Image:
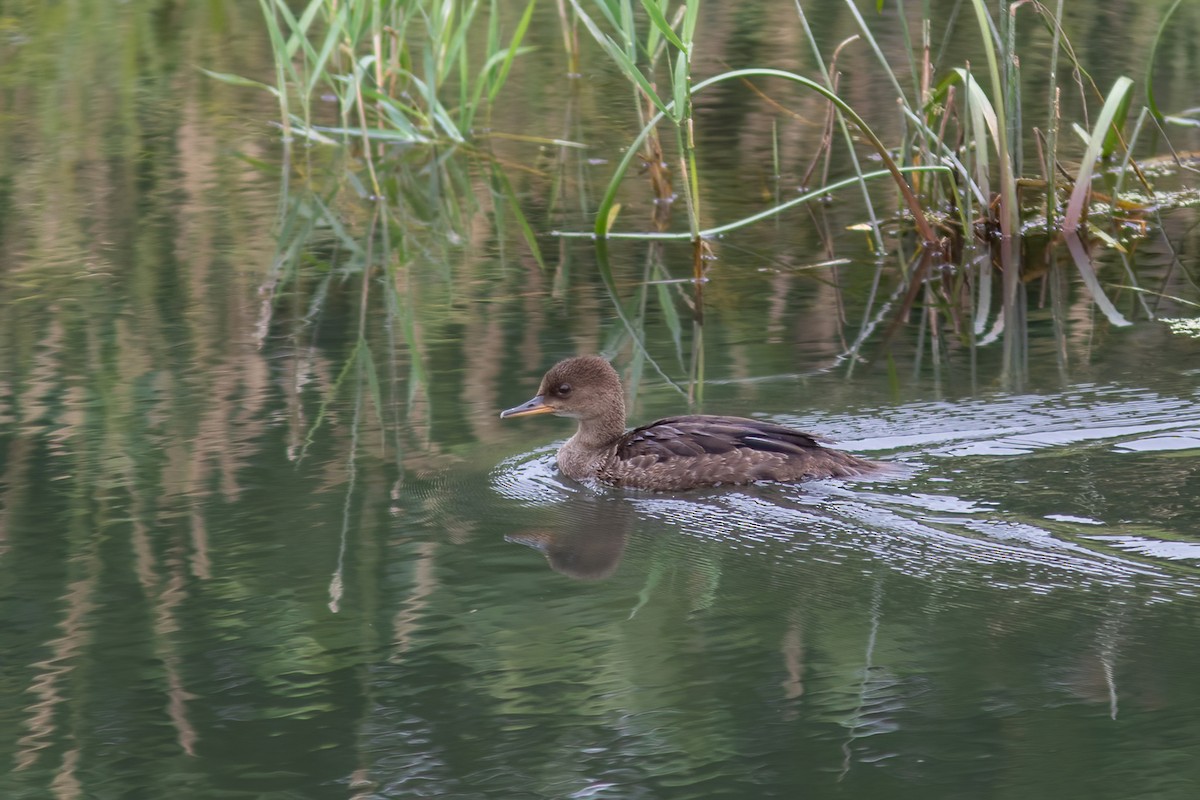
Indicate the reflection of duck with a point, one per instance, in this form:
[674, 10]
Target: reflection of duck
[676, 452]
[588, 554]
[589, 538]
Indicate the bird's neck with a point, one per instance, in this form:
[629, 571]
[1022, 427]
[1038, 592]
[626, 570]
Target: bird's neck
[601, 431]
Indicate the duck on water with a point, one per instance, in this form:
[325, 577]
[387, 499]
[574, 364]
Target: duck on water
[675, 453]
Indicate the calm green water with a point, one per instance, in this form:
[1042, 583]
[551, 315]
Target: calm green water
[228, 570]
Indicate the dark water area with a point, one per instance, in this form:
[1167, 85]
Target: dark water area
[241, 559]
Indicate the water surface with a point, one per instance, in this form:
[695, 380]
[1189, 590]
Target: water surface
[232, 566]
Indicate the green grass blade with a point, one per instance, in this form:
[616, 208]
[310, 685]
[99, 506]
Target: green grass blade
[980, 102]
[679, 83]
[375, 134]
[238, 80]
[1112, 138]
[910, 198]
[982, 124]
[1116, 100]
[399, 115]
[660, 22]
[297, 32]
[321, 57]
[275, 35]
[513, 46]
[621, 58]
[1009, 211]
[691, 13]
[655, 41]
[628, 28]
[436, 111]
[807, 197]
[608, 14]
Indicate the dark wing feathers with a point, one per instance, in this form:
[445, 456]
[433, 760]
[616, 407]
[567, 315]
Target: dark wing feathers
[693, 436]
[771, 445]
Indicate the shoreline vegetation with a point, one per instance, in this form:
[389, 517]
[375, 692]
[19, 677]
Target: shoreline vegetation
[396, 140]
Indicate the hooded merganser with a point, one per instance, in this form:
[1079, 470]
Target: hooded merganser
[677, 452]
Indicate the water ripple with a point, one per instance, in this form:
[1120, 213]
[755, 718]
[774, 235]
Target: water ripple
[931, 516]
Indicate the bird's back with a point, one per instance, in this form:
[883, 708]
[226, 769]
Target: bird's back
[701, 450]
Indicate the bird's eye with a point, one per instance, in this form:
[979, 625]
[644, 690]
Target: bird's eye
[563, 389]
